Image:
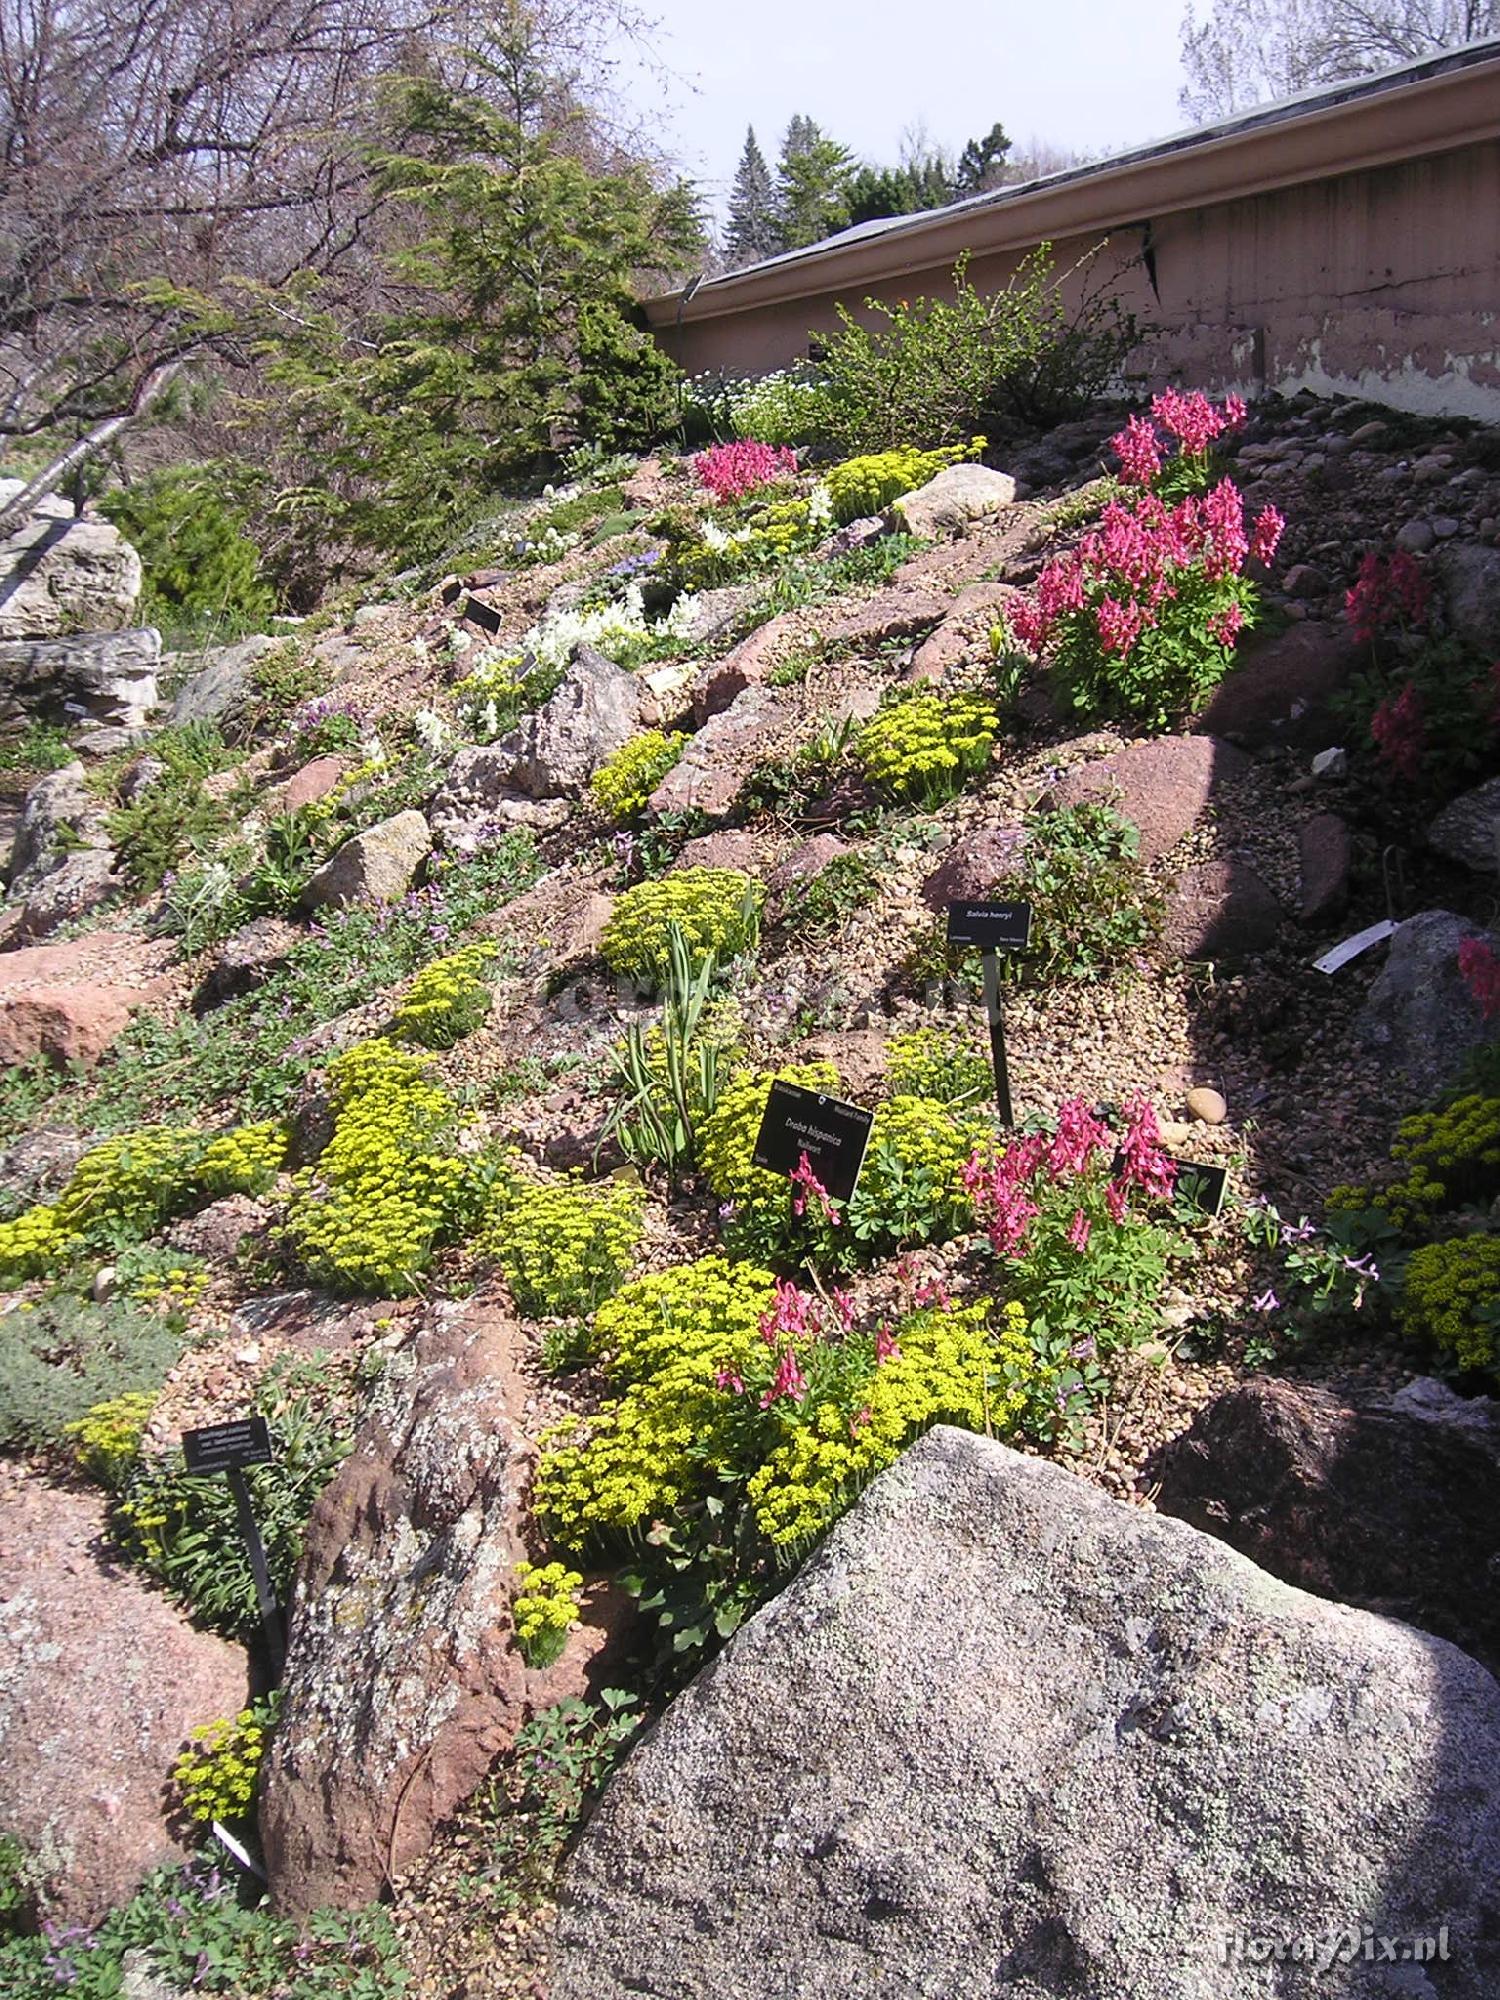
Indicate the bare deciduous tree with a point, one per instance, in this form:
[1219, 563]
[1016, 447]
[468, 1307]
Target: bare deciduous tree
[1246, 52]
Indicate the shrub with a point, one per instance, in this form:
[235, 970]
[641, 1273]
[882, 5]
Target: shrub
[545, 1610]
[730, 471]
[785, 408]
[198, 562]
[1452, 1298]
[447, 1000]
[173, 815]
[622, 786]
[565, 1246]
[716, 910]
[185, 1530]
[217, 1777]
[1142, 618]
[1093, 905]
[704, 555]
[39, 746]
[65, 1356]
[925, 747]
[936, 1064]
[867, 485]
[388, 1187]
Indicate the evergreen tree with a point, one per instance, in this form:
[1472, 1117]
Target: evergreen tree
[981, 164]
[812, 184]
[754, 216]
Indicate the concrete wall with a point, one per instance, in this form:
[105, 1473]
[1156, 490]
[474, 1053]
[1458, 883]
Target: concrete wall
[1350, 246]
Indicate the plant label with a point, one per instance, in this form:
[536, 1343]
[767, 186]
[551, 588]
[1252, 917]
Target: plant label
[227, 1447]
[831, 1133]
[990, 926]
[1202, 1187]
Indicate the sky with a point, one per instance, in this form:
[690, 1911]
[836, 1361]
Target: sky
[1090, 75]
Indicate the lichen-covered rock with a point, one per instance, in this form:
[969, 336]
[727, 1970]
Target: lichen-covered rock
[403, 1683]
[1467, 830]
[947, 504]
[221, 681]
[59, 575]
[1005, 1736]
[376, 866]
[102, 684]
[60, 815]
[596, 710]
[101, 1682]
[1419, 1014]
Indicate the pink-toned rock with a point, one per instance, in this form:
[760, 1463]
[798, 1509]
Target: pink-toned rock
[1324, 855]
[898, 612]
[729, 847]
[804, 864]
[708, 775]
[1221, 909]
[963, 633]
[314, 781]
[1162, 787]
[403, 1679]
[746, 666]
[1281, 686]
[858, 1054]
[69, 1002]
[103, 1680]
[974, 867]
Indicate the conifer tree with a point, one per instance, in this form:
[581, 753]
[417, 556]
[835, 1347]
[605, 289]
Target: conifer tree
[812, 183]
[754, 219]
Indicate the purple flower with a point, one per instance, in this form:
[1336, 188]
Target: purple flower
[1266, 1303]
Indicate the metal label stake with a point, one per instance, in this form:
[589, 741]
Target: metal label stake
[229, 1448]
[993, 927]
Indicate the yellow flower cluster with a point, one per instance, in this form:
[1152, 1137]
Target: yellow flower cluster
[622, 786]
[368, 1215]
[933, 1062]
[216, 1779]
[867, 485]
[946, 1372]
[564, 1246]
[130, 1185]
[545, 1610]
[107, 1438]
[926, 747]
[717, 911]
[666, 1337]
[447, 1000]
[1452, 1297]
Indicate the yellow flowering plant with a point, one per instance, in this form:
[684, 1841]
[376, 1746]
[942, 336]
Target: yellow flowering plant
[216, 1778]
[545, 1610]
[622, 786]
[716, 911]
[447, 1000]
[925, 747]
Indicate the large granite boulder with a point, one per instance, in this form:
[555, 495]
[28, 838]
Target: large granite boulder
[1419, 1014]
[403, 1683]
[106, 680]
[1163, 786]
[1391, 1505]
[376, 866]
[596, 710]
[102, 1681]
[1282, 687]
[60, 575]
[1005, 1736]
[948, 503]
[70, 1002]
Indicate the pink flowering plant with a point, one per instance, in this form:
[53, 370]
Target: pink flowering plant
[1141, 619]
[1170, 453]
[730, 471]
[1074, 1217]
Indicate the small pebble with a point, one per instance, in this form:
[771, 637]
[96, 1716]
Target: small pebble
[106, 1284]
[1445, 528]
[1416, 537]
[1331, 764]
[1206, 1105]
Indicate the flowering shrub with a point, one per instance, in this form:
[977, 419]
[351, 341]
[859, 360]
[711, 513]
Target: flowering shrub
[716, 910]
[730, 471]
[705, 555]
[129, 1186]
[619, 629]
[447, 1000]
[1142, 618]
[545, 1609]
[217, 1778]
[388, 1187]
[622, 786]
[1452, 1298]
[867, 485]
[107, 1438]
[1389, 592]
[1194, 422]
[564, 1246]
[926, 747]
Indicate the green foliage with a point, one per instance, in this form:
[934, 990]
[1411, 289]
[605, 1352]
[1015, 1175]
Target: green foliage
[812, 184]
[197, 1937]
[173, 815]
[668, 1075]
[62, 1357]
[39, 747]
[940, 369]
[107, 1438]
[499, 689]
[217, 1777]
[937, 1064]
[622, 786]
[16, 1891]
[925, 747]
[704, 554]
[545, 1610]
[823, 904]
[1452, 1298]
[716, 910]
[447, 1000]
[1451, 1157]
[867, 485]
[198, 562]
[564, 1246]
[780, 409]
[562, 1757]
[184, 1530]
[1093, 907]
[389, 1186]
[281, 679]
[1450, 690]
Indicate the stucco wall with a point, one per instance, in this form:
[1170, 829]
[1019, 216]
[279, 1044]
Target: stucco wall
[1382, 282]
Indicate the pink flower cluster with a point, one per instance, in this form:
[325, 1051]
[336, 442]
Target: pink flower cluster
[1192, 419]
[1388, 590]
[1480, 968]
[1400, 732]
[1005, 1191]
[1132, 565]
[730, 471]
[806, 1188]
[794, 1320]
